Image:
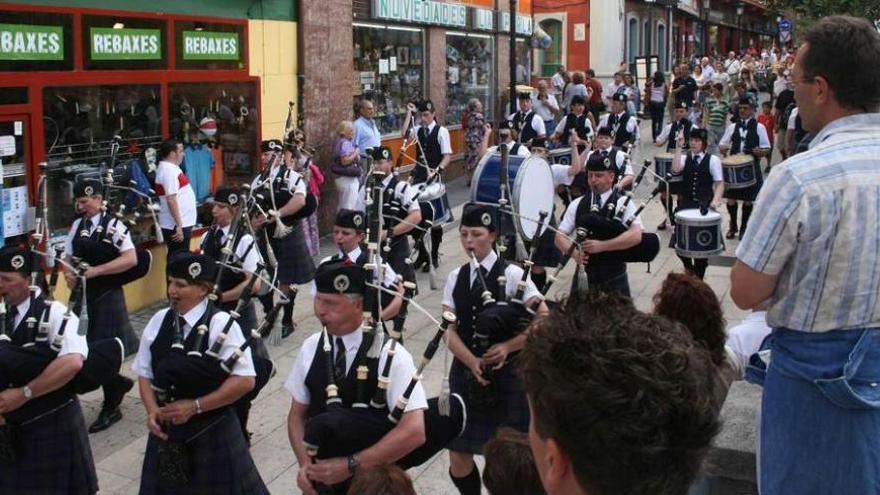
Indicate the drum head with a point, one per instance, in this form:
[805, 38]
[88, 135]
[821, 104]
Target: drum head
[533, 192]
[740, 159]
[663, 156]
[433, 191]
[693, 216]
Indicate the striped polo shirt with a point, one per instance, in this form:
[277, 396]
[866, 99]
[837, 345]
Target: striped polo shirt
[816, 225]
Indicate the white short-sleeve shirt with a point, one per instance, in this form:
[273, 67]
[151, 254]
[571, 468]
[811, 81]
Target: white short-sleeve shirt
[73, 342]
[567, 225]
[715, 169]
[246, 251]
[121, 236]
[402, 370]
[763, 140]
[442, 137]
[512, 273]
[171, 181]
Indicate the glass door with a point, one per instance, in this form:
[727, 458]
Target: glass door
[14, 155]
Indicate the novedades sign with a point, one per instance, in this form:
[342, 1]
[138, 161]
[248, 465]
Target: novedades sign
[210, 45]
[421, 12]
[31, 42]
[125, 44]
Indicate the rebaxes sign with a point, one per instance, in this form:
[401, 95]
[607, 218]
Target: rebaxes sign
[31, 42]
[210, 45]
[125, 44]
[421, 12]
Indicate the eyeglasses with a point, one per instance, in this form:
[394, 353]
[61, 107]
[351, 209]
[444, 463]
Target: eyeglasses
[803, 81]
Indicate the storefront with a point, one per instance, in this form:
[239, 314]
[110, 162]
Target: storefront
[82, 87]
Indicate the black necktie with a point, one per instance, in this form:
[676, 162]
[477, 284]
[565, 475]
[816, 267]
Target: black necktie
[11, 313]
[339, 362]
[476, 281]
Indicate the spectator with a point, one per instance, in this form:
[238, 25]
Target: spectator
[366, 132]
[510, 466]
[558, 81]
[732, 67]
[812, 253]
[684, 86]
[767, 118]
[576, 88]
[346, 166]
[721, 77]
[695, 115]
[747, 338]
[544, 104]
[612, 87]
[384, 479]
[717, 110]
[474, 131]
[634, 102]
[594, 95]
[611, 413]
[655, 89]
[782, 107]
[177, 200]
[708, 70]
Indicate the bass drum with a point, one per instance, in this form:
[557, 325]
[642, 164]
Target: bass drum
[531, 190]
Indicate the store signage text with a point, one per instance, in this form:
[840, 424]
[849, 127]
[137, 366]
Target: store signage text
[523, 23]
[125, 44]
[210, 45]
[484, 19]
[421, 12]
[31, 42]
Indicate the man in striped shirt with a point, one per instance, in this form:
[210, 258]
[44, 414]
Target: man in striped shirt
[715, 115]
[813, 250]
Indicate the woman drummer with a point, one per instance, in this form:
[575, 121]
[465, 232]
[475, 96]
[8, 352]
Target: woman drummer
[216, 457]
[462, 295]
[702, 184]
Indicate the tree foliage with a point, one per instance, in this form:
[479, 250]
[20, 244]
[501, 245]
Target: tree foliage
[810, 11]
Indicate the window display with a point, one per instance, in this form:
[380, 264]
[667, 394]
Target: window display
[469, 74]
[81, 128]
[523, 62]
[388, 70]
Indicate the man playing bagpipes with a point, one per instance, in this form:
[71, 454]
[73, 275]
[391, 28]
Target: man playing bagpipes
[102, 241]
[349, 232]
[44, 447]
[193, 365]
[489, 298]
[611, 224]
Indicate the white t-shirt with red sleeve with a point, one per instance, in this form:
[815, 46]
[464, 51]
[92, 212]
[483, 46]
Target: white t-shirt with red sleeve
[171, 181]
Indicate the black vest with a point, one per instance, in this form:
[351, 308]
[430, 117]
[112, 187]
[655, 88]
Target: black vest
[468, 303]
[430, 153]
[317, 379]
[212, 247]
[618, 126]
[161, 347]
[523, 125]
[578, 123]
[95, 248]
[600, 225]
[612, 155]
[21, 335]
[698, 185]
[751, 141]
[673, 132]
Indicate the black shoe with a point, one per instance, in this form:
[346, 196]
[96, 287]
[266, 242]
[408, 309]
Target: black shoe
[662, 226]
[286, 331]
[123, 385]
[436, 261]
[426, 267]
[767, 169]
[731, 234]
[106, 419]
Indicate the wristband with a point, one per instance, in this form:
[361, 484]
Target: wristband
[198, 407]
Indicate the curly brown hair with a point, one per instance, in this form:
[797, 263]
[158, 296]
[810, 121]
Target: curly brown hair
[510, 465]
[387, 479]
[690, 301]
[628, 396]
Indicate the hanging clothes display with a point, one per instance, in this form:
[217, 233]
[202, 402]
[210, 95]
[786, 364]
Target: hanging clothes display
[198, 162]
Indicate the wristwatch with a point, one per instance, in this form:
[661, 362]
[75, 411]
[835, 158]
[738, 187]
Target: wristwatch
[352, 464]
[28, 393]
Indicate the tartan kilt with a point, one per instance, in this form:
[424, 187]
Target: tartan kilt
[511, 410]
[295, 265]
[54, 456]
[220, 463]
[108, 318]
[749, 194]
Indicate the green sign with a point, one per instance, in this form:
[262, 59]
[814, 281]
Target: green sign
[31, 42]
[125, 44]
[210, 45]
[421, 12]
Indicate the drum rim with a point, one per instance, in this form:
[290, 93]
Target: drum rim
[726, 163]
[701, 220]
[426, 197]
[699, 254]
[664, 156]
[517, 186]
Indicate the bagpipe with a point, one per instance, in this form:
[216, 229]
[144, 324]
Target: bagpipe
[339, 430]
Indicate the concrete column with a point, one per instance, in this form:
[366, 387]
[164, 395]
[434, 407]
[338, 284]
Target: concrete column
[435, 69]
[327, 64]
[607, 43]
[502, 72]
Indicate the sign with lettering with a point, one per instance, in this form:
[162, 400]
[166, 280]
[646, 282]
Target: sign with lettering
[31, 42]
[421, 12]
[210, 45]
[484, 19]
[523, 24]
[125, 44]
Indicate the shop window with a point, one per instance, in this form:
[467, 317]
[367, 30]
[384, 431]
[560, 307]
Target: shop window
[551, 58]
[633, 43]
[523, 62]
[209, 46]
[217, 122]
[80, 123]
[124, 43]
[13, 96]
[35, 41]
[389, 70]
[469, 74]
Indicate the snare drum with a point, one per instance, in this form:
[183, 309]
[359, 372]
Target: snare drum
[531, 189]
[698, 235]
[739, 171]
[435, 204]
[560, 156]
[663, 167]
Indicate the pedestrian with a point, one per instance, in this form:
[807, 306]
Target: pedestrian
[655, 89]
[684, 86]
[594, 95]
[510, 465]
[546, 107]
[634, 105]
[716, 115]
[346, 166]
[612, 87]
[366, 132]
[732, 67]
[782, 107]
[474, 131]
[708, 69]
[576, 88]
[812, 253]
[558, 81]
[769, 121]
[177, 200]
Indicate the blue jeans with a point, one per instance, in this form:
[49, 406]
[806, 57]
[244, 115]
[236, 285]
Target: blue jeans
[820, 424]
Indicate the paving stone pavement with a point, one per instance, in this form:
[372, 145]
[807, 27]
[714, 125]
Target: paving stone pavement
[119, 451]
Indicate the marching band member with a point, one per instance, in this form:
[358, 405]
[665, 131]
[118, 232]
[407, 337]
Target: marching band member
[288, 189]
[339, 306]
[624, 126]
[349, 233]
[506, 135]
[470, 373]
[703, 184]
[215, 458]
[434, 154]
[667, 136]
[611, 223]
[94, 237]
[605, 146]
[526, 122]
[748, 136]
[44, 447]
[578, 121]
